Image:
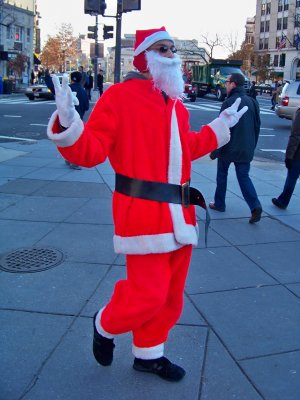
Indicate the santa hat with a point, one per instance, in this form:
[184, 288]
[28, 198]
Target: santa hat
[143, 40]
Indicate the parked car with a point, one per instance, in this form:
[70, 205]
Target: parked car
[289, 100]
[264, 88]
[40, 91]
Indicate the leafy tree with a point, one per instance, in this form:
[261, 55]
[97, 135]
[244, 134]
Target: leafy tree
[246, 54]
[18, 64]
[59, 48]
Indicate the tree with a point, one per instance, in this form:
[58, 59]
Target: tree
[246, 54]
[211, 43]
[59, 48]
[17, 65]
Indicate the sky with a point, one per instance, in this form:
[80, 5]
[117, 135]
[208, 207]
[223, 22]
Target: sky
[183, 19]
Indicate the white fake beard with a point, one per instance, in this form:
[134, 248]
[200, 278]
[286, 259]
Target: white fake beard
[166, 73]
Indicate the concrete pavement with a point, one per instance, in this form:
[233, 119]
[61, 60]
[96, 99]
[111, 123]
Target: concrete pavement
[238, 337]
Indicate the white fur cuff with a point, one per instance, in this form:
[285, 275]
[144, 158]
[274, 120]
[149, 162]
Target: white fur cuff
[69, 136]
[221, 131]
[148, 353]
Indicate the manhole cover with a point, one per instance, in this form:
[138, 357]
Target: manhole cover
[30, 259]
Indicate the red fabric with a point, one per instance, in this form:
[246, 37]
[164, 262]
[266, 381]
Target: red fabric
[131, 125]
[150, 300]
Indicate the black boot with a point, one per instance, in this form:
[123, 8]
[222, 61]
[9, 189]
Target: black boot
[103, 348]
[161, 367]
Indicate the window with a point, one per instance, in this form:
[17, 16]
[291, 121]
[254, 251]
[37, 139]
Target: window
[282, 60]
[261, 44]
[286, 5]
[284, 22]
[262, 26]
[28, 35]
[263, 9]
[18, 33]
[297, 20]
[267, 26]
[279, 24]
[268, 9]
[280, 5]
[266, 43]
[275, 61]
[297, 3]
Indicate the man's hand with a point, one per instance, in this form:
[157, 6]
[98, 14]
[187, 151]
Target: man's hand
[230, 116]
[65, 100]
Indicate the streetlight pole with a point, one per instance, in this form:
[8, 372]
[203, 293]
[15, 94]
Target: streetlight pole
[118, 42]
[96, 55]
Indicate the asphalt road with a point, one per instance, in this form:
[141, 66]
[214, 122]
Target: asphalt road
[27, 120]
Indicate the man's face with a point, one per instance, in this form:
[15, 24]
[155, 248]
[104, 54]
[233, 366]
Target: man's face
[229, 85]
[165, 48]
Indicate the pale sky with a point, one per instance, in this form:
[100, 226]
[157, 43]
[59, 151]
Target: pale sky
[224, 17]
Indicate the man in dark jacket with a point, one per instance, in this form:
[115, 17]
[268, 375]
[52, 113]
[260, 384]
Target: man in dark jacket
[292, 162]
[239, 150]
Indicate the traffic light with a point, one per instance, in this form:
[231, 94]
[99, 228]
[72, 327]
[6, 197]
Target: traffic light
[106, 32]
[94, 7]
[94, 30]
[131, 5]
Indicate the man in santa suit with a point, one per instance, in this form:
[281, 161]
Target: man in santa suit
[142, 126]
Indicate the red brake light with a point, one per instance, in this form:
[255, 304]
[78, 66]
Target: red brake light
[285, 101]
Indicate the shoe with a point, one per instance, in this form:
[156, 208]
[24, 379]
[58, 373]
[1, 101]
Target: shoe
[74, 166]
[161, 367]
[67, 162]
[103, 348]
[214, 207]
[278, 204]
[256, 215]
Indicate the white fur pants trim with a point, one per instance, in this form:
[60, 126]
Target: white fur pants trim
[99, 328]
[148, 353]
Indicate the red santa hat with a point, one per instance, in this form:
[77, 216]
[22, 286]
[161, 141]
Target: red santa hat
[143, 40]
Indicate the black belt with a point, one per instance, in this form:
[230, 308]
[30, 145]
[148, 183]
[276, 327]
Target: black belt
[163, 192]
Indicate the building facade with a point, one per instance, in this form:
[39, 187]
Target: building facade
[18, 39]
[277, 38]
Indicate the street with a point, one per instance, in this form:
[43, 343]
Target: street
[27, 120]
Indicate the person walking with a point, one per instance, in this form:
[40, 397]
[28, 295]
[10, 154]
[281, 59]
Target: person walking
[252, 90]
[292, 163]
[153, 204]
[100, 80]
[239, 150]
[89, 84]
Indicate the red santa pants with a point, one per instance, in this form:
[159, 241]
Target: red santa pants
[149, 301]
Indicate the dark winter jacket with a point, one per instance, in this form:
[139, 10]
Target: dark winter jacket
[82, 97]
[293, 147]
[244, 135]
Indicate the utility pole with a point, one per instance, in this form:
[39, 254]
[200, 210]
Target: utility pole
[96, 55]
[118, 42]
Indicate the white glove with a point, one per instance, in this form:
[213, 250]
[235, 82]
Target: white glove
[230, 116]
[65, 100]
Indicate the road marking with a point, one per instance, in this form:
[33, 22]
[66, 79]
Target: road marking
[39, 124]
[276, 150]
[267, 135]
[267, 129]
[16, 138]
[12, 116]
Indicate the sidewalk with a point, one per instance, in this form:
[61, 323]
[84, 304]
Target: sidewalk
[238, 337]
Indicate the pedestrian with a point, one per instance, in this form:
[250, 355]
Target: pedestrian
[84, 76]
[100, 79]
[252, 90]
[275, 95]
[239, 150]
[142, 126]
[292, 162]
[89, 84]
[83, 103]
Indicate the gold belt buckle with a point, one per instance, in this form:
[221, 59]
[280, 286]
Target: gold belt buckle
[185, 194]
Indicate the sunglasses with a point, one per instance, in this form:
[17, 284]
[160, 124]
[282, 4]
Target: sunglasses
[165, 49]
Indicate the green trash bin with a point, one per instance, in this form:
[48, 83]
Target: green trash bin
[7, 86]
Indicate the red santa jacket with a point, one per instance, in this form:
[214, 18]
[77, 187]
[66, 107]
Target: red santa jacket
[147, 138]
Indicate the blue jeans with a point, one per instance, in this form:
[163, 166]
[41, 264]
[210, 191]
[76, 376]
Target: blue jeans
[246, 185]
[290, 183]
